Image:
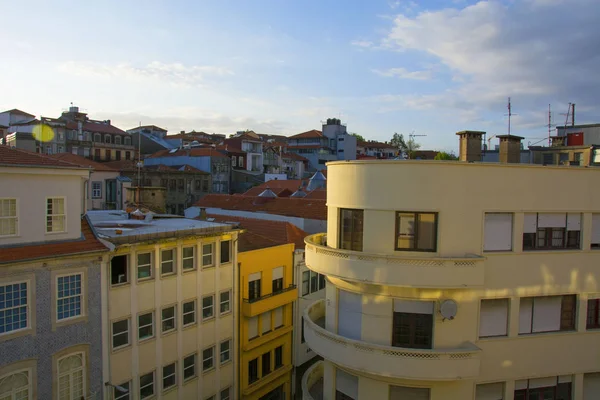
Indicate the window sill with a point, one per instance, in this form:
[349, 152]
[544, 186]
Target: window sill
[207, 266]
[225, 313]
[190, 325]
[69, 321]
[168, 275]
[169, 389]
[225, 264]
[119, 285]
[225, 362]
[208, 371]
[121, 348]
[146, 340]
[145, 280]
[534, 334]
[489, 338]
[186, 270]
[168, 333]
[56, 233]
[15, 334]
[561, 250]
[190, 379]
[206, 320]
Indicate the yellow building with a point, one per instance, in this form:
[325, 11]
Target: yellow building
[267, 295]
[168, 307]
[459, 281]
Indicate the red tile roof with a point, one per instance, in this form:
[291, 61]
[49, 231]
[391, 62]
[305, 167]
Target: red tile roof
[101, 127]
[262, 233]
[194, 152]
[122, 165]
[19, 157]
[308, 134]
[86, 244]
[306, 146]
[294, 156]
[424, 154]
[375, 145]
[83, 162]
[280, 192]
[287, 206]
[319, 194]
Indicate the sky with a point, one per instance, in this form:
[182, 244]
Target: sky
[428, 67]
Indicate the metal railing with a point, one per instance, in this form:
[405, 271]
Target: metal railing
[266, 296]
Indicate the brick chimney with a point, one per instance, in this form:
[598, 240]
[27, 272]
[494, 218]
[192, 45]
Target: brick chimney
[510, 148]
[470, 145]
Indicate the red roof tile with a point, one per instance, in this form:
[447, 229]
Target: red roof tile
[195, 152]
[308, 134]
[375, 145]
[86, 244]
[280, 192]
[319, 194]
[101, 127]
[83, 162]
[262, 233]
[293, 156]
[287, 206]
[122, 165]
[19, 157]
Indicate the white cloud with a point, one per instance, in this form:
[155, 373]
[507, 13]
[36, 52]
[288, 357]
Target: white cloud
[362, 43]
[173, 73]
[404, 74]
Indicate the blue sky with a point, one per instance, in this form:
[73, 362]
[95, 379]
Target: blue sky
[432, 67]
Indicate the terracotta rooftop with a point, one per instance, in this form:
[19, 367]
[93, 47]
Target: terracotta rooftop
[375, 145]
[96, 126]
[291, 207]
[194, 152]
[86, 244]
[262, 233]
[153, 127]
[19, 157]
[308, 134]
[83, 162]
[280, 192]
[130, 165]
[318, 194]
[425, 154]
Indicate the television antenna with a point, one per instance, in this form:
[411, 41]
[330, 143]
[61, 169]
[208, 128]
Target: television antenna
[510, 114]
[411, 136]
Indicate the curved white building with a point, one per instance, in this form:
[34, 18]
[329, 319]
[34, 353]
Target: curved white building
[454, 280]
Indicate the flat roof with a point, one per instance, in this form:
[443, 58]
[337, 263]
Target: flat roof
[116, 226]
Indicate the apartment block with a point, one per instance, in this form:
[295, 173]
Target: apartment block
[468, 281]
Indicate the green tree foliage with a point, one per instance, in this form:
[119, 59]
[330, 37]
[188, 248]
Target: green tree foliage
[442, 155]
[406, 147]
[358, 137]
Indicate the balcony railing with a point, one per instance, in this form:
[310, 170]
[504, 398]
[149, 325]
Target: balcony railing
[312, 382]
[392, 270]
[259, 305]
[394, 362]
[266, 296]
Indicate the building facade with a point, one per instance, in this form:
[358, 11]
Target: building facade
[478, 283]
[50, 292]
[169, 318]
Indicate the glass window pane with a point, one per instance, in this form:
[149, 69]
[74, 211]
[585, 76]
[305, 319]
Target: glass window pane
[406, 231]
[427, 228]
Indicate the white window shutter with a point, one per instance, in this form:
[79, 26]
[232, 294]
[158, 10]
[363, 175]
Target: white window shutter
[254, 277]
[413, 306]
[252, 327]
[542, 382]
[493, 317]
[265, 321]
[595, 228]
[346, 383]
[408, 393]
[574, 221]
[277, 273]
[530, 223]
[525, 313]
[521, 384]
[490, 391]
[552, 220]
[546, 313]
[278, 317]
[497, 232]
[591, 386]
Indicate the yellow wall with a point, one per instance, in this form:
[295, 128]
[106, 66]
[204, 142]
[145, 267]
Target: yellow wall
[264, 261]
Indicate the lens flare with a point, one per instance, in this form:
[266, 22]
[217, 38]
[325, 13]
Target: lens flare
[43, 133]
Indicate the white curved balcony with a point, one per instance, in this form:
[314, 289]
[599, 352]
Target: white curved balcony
[391, 270]
[394, 362]
[312, 382]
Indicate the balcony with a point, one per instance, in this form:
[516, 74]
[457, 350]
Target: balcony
[391, 270]
[394, 362]
[114, 146]
[312, 382]
[254, 307]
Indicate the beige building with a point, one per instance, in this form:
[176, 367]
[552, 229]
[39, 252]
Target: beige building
[466, 281]
[169, 309]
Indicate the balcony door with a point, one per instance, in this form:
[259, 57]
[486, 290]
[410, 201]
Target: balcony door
[351, 229]
[412, 324]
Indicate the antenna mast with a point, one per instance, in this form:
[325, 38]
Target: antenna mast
[411, 136]
[139, 164]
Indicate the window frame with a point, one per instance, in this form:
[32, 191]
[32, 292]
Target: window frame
[152, 327]
[164, 331]
[415, 247]
[53, 215]
[173, 262]
[81, 296]
[250, 369]
[227, 352]
[184, 258]
[184, 313]
[265, 364]
[228, 259]
[254, 289]
[9, 217]
[506, 322]
[307, 282]
[531, 240]
[149, 266]
[151, 384]
[117, 395]
[211, 254]
[171, 375]
[27, 306]
[595, 318]
[96, 189]
[211, 307]
[275, 356]
[228, 302]
[211, 358]
[194, 357]
[413, 320]
[341, 245]
[227, 395]
[127, 333]
[83, 370]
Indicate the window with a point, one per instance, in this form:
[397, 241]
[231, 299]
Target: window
[55, 215]
[188, 258]
[14, 307]
[127, 141]
[278, 317]
[118, 270]
[279, 357]
[266, 364]
[416, 231]
[71, 377]
[233, 162]
[128, 155]
[489, 391]
[207, 254]
[205, 185]
[68, 297]
[321, 281]
[208, 307]
[412, 324]
[593, 314]
[147, 385]
[168, 319]
[120, 334]
[302, 340]
[351, 229]
[550, 388]
[225, 306]
[547, 314]
[208, 358]
[107, 139]
[16, 386]
[498, 232]
[551, 231]
[241, 161]
[146, 325]
[493, 318]
[252, 327]
[314, 281]
[413, 393]
[96, 190]
[144, 265]
[189, 313]
[180, 185]
[254, 286]
[225, 356]
[265, 322]
[118, 155]
[117, 139]
[122, 395]
[97, 138]
[167, 262]
[305, 283]
[277, 277]
[169, 377]
[225, 251]
[107, 154]
[225, 394]
[97, 154]
[189, 367]
[253, 371]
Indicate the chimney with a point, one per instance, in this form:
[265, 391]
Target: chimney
[470, 145]
[202, 215]
[510, 148]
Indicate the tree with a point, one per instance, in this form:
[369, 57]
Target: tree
[358, 137]
[442, 155]
[406, 148]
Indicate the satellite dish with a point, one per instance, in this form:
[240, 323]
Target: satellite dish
[448, 309]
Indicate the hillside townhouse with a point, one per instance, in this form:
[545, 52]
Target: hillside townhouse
[50, 291]
[376, 149]
[279, 161]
